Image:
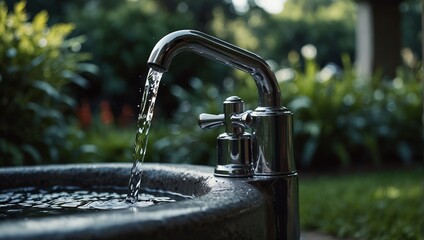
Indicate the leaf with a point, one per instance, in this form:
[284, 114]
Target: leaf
[12, 151]
[69, 101]
[309, 150]
[20, 11]
[88, 68]
[405, 152]
[46, 88]
[3, 15]
[300, 102]
[88, 148]
[342, 153]
[32, 151]
[372, 144]
[40, 21]
[39, 112]
[54, 153]
[312, 128]
[37, 61]
[179, 92]
[75, 78]
[61, 30]
[11, 52]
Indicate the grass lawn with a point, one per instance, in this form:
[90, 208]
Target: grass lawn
[373, 205]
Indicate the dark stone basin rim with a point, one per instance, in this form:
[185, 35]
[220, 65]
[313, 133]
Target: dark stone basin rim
[216, 201]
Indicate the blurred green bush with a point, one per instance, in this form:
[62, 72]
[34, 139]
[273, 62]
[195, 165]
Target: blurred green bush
[37, 66]
[328, 25]
[344, 119]
[121, 36]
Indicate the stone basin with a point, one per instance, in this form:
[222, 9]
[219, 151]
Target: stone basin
[220, 208]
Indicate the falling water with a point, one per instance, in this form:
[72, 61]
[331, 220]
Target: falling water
[143, 125]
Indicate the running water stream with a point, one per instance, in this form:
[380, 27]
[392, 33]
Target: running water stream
[143, 125]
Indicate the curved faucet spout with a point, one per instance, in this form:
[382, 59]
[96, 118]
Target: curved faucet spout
[218, 50]
[267, 153]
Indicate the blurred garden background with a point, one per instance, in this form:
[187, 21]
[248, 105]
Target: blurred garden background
[72, 72]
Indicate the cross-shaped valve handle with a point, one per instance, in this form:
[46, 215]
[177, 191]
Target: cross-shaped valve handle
[233, 118]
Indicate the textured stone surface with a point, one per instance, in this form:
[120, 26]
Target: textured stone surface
[221, 208]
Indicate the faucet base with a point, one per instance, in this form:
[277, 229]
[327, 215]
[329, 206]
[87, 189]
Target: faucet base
[282, 200]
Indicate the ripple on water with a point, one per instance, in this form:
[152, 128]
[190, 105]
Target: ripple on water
[37, 202]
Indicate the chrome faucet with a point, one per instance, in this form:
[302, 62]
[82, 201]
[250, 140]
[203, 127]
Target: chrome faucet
[267, 153]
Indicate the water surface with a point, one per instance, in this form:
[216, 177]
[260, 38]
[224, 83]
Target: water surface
[59, 200]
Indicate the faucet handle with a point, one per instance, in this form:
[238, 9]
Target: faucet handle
[208, 121]
[234, 146]
[234, 119]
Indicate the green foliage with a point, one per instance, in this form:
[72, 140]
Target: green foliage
[319, 23]
[107, 144]
[343, 119]
[37, 64]
[121, 36]
[300, 23]
[380, 205]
